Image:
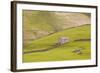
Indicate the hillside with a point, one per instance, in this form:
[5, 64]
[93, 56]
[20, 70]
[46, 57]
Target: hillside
[63, 52]
[37, 24]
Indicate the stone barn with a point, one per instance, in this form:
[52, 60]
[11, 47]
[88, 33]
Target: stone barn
[63, 40]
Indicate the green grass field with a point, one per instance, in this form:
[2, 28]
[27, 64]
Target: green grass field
[63, 52]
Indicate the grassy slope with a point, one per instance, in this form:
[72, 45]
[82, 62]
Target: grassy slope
[47, 22]
[32, 21]
[63, 52]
